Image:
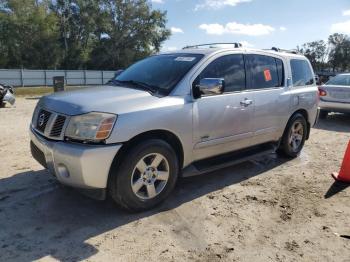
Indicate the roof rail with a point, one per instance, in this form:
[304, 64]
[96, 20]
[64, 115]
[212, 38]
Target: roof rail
[212, 45]
[276, 49]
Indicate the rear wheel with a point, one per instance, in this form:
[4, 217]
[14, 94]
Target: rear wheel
[146, 176]
[294, 136]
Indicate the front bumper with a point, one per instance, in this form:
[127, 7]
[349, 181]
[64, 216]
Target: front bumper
[78, 165]
[335, 106]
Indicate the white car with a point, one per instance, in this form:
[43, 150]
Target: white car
[335, 95]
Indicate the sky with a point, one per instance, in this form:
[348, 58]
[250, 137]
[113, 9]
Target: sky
[254, 23]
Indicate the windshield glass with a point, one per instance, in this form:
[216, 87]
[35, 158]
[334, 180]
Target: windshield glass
[161, 73]
[340, 80]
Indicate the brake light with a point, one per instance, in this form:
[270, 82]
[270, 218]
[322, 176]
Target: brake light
[322, 92]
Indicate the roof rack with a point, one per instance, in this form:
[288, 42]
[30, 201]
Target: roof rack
[212, 45]
[276, 49]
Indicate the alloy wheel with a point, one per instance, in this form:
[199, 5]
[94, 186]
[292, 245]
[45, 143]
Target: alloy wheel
[296, 136]
[150, 176]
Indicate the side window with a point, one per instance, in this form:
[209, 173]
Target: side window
[265, 71]
[230, 68]
[301, 73]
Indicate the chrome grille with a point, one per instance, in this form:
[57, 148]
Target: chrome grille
[49, 124]
[43, 118]
[57, 127]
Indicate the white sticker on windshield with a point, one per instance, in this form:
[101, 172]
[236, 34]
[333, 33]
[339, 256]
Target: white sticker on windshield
[185, 58]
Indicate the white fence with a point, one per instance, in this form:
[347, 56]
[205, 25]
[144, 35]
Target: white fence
[20, 77]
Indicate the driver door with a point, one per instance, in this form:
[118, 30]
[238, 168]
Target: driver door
[223, 122]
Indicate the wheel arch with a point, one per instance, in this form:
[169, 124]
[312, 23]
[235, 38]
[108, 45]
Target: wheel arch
[165, 135]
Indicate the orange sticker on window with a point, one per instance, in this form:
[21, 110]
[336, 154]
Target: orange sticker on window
[267, 75]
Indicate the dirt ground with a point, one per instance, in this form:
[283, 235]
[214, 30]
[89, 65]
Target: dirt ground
[268, 209]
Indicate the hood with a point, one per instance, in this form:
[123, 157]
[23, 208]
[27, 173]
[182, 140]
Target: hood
[111, 99]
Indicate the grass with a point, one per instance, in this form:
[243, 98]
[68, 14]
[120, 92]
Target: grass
[39, 90]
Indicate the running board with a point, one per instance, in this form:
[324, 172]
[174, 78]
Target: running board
[218, 162]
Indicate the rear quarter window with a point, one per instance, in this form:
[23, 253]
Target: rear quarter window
[301, 73]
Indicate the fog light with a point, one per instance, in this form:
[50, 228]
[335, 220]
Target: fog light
[63, 171]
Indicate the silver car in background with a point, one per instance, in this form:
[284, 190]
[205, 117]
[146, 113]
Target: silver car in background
[335, 95]
[175, 114]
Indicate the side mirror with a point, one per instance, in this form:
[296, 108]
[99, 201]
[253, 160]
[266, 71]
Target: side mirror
[209, 86]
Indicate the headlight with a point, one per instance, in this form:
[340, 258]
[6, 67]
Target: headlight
[91, 126]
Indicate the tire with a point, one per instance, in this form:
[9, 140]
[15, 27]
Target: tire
[291, 147]
[146, 164]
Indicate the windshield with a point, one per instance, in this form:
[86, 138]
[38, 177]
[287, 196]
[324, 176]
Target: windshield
[340, 80]
[160, 73]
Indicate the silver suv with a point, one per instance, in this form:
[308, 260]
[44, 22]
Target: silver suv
[175, 114]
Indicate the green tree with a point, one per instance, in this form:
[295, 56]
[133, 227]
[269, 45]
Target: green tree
[316, 52]
[78, 21]
[77, 34]
[339, 55]
[128, 30]
[28, 35]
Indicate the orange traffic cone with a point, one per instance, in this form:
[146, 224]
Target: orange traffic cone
[344, 173]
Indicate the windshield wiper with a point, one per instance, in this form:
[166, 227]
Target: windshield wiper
[145, 86]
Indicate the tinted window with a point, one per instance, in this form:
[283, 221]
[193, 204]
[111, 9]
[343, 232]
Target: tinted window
[301, 73]
[265, 71]
[162, 72]
[230, 68]
[340, 80]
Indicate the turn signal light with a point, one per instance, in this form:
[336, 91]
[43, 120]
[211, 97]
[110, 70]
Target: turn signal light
[105, 128]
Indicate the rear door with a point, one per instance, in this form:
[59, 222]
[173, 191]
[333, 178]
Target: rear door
[266, 81]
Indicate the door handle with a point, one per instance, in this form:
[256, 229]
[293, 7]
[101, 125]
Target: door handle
[246, 102]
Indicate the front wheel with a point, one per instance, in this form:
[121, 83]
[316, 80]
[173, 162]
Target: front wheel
[146, 176]
[294, 136]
